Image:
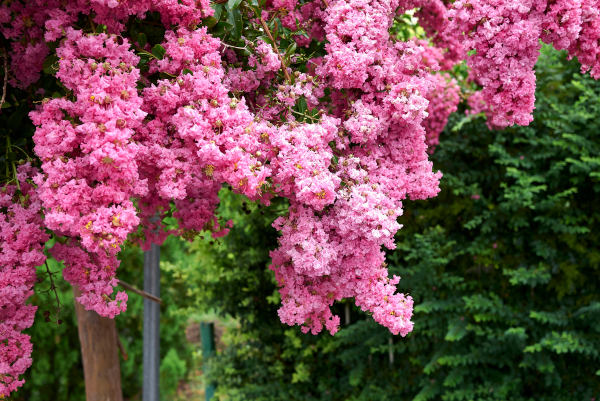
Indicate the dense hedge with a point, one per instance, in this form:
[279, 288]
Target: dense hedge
[503, 266]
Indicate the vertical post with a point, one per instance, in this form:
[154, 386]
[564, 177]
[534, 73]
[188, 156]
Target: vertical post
[207, 335]
[151, 364]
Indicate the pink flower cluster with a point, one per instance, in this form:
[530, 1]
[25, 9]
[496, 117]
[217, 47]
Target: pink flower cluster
[575, 25]
[504, 38]
[22, 23]
[345, 140]
[504, 34]
[89, 161]
[32, 23]
[22, 239]
[443, 101]
[199, 136]
[433, 17]
[332, 249]
[294, 16]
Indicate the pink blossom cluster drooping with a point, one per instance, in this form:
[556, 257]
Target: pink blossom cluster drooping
[587, 46]
[504, 38]
[23, 22]
[22, 238]
[443, 101]
[562, 23]
[433, 17]
[32, 23]
[574, 25]
[503, 41]
[332, 250]
[199, 136]
[301, 161]
[89, 160]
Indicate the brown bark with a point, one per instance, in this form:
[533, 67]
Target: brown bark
[100, 355]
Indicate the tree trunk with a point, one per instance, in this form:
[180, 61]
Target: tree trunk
[99, 352]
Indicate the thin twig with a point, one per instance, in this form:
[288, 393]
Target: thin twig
[283, 67]
[122, 349]
[140, 292]
[304, 115]
[16, 175]
[92, 23]
[53, 288]
[234, 47]
[326, 3]
[5, 57]
[21, 149]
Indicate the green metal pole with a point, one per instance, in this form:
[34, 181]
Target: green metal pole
[207, 334]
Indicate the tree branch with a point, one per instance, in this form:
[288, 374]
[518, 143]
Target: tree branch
[53, 288]
[140, 292]
[283, 66]
[122, 349]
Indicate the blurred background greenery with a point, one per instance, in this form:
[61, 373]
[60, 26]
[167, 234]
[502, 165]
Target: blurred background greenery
[503, 266]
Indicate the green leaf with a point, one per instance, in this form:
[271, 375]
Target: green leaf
[302, 373]
[427, 393]
[301, 105]
[356, 375]
[233, 4]
[158, 51]
[290, 51]
[265, 39]
[209, 22]
[218, 10]
[235, 20]
[456, 330]
[528, 276]
[221, 28]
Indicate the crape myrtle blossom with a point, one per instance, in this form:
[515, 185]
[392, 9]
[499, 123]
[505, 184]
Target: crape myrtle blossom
[433, 17]
[504, 36]
[199, 137]
[33, 23]
[503, 40]
[335, 253]
[22, 237]
[443, 100]
[89, 162]
[574, 25]
[342, 128]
